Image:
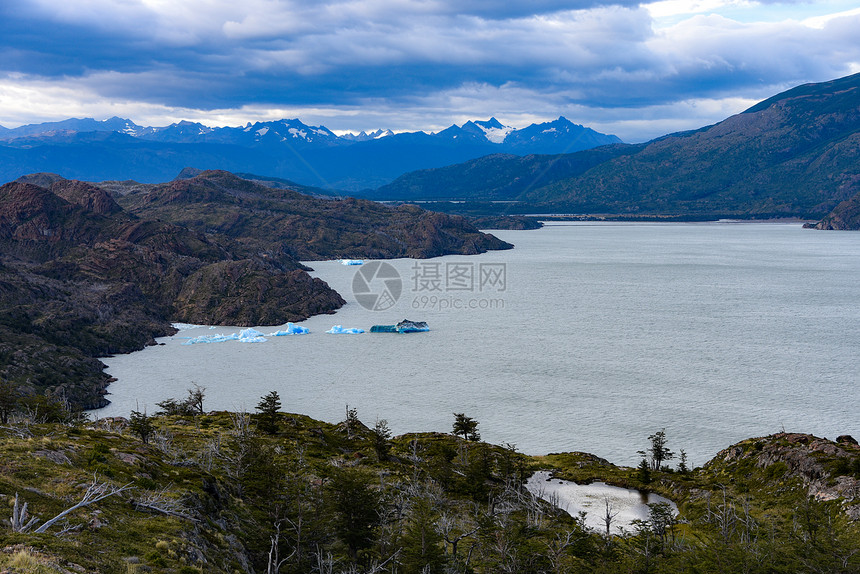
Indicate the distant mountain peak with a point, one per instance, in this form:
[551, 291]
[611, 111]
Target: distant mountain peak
[493, 130]
[490, 124]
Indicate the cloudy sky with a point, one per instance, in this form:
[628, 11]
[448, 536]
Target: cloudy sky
[635, 70]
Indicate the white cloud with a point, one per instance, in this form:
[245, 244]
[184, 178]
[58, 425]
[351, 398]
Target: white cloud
[421, 64]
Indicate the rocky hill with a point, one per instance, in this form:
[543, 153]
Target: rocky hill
[231, 492]
[82, 277]
[793, 155]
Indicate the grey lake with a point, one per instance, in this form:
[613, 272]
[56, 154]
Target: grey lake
[586, 337]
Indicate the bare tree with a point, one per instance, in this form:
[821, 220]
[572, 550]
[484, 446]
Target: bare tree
[275, 561]
[96, 492]
[609, 515]
[19, 517]
[160, 501]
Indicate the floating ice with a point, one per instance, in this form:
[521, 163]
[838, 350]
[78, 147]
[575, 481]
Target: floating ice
[217, 338]
[352, 261]
[251, 336]
[291, 329]
[624, 504]
[244, 336]
[185, 326]
[338, 330]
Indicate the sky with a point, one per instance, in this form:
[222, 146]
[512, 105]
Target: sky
[634, 70]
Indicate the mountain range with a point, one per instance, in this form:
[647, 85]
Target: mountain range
[796, 154]
[117, 148]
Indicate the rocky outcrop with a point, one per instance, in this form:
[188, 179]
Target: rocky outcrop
[829, 470]
[288, 225]
[244, 293]
[80, 279]
[844, 217]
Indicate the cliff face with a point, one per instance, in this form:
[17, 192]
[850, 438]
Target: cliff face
[844, 217]
[289, 225]
[82, 277]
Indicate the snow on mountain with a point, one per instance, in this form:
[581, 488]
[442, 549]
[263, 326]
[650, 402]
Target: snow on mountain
[364, 136]
[494, 131]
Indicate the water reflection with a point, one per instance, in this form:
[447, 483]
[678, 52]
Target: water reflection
[624, 504]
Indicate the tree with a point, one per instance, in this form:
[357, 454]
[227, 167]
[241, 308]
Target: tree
[269, 406]
[141, 425]
[8, 399]
[193, 403]
[381, 434]
[644, 471]
[421, 543]
[351, 422]
[682, 463]
[195, 398]
[658, 451]
[355, 505]
[466, 426]
[173, 407]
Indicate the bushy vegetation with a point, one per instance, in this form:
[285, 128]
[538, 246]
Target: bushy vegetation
[277, 492]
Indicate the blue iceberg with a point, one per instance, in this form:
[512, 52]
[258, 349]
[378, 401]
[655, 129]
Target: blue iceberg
[352, 261]
[251, 336]
[404, 326]
[338, 330]
[291, 329]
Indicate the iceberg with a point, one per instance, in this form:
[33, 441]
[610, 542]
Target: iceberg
[217, 338]
[244, 336]
[404, 326]
[251, 336]
[185, 326]
[352, 261]
[338, 330]
[291, 329]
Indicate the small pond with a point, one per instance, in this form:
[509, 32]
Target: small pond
[626, 504]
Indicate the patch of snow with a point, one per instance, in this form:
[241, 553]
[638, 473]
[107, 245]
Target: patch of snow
[626, 504]
[297, 133]
[339, 330]
[262, 131]
[496, 135]
[550, 130]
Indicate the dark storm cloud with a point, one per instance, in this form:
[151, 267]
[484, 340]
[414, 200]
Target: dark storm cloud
[220, 54]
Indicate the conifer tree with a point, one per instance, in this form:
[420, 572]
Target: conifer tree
[269, 406]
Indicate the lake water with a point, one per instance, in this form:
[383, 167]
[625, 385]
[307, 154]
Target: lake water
[585, 337]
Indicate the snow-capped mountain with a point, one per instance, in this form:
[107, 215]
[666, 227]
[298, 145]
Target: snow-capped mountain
[289, 148]
[364, 136]
[113, 124]
[494, 130]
